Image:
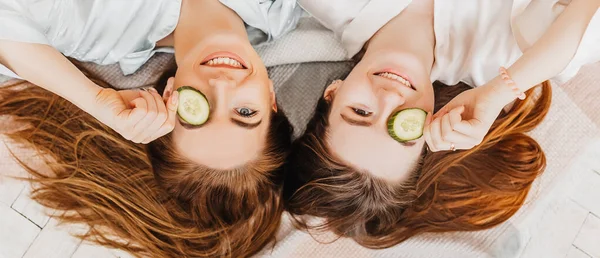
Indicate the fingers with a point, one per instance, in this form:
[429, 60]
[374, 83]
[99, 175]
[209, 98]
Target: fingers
[142, 115]
[129, 95]
[460, 125]
[169, 124]
[166, 96]
[138, 111]
[444, 110]
[442, 134]
[147, 116]
[436, 136]
[140, 129]
[168, 93]
[170, 111]
[427, 132]
[450, 135]
[147, 128]
[432, 135]
[470, 128]
[131, 116]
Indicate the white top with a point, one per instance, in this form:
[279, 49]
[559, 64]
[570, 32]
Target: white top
[473, 37]
[124, 32]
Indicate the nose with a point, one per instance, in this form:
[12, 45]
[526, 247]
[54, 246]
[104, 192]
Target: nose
[221, 82]
[389, 101]
[390, 95]
[221, 86]
[391, 98]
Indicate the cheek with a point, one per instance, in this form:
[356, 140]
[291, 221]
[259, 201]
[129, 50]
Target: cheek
[257, 94]
[183, 78]
[354, 88]
[427, 100]
[181, 75]
[177, 136]
[353, 93]
[188, 76]
[177, 132]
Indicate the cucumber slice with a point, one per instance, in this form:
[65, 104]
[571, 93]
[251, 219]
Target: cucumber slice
[193, 106]
[407, 124]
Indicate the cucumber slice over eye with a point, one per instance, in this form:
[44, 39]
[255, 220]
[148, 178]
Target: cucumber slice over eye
[407, 124]
[193, 106]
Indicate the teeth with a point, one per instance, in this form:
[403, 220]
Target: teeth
[395, 77]
[224, 60]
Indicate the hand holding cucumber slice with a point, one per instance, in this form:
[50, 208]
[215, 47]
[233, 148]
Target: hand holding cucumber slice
[193, 106]
[407, 124]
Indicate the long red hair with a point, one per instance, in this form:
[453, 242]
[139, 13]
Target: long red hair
[146, 200]
[450, 191]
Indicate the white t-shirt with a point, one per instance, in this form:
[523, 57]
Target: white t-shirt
[123, 31]
[473, 37]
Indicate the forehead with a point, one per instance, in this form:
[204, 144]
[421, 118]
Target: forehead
[221, 145]
[372, 150]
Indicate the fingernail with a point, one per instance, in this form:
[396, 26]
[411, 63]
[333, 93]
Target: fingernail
[153, 90]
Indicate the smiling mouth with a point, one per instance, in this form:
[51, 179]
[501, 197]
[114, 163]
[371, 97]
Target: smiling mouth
[396, 77]
[224, 62]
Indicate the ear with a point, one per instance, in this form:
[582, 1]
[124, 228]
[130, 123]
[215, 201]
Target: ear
[169, 89]
[273, 98]
[331, 90]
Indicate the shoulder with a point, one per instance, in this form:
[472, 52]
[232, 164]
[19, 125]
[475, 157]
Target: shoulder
[334, 14]
[354, 24]
[273, 18]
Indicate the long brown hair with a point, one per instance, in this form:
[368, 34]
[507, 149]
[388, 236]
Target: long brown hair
[450, 191]
[146, 200]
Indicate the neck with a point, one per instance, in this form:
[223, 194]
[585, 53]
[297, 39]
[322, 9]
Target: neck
[411, 31]
[200, 20]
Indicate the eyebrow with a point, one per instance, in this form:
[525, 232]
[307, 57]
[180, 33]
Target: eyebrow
[367, 124]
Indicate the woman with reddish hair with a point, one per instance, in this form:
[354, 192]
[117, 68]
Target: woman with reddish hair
[469, 166]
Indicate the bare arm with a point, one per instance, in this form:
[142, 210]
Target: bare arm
[467, 118]
[45, 66]
[139, 116]
[551, 54]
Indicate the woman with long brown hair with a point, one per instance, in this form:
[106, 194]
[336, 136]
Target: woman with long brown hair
[349, 167]
[197, 189]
